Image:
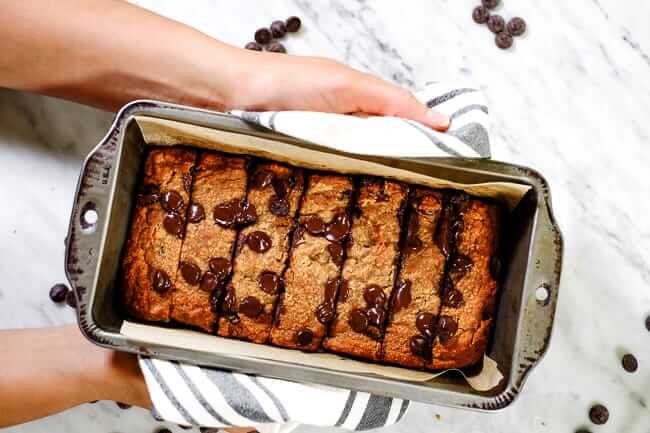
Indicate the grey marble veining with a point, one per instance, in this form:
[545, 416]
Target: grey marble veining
[571, 99]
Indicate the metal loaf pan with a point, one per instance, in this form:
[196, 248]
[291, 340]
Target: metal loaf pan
[524, 319]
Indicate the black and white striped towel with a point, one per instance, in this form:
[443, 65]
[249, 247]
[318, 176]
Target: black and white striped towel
[190, 395]
[467, 136]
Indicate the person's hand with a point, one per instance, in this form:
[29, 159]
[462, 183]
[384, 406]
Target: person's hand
[282, 82]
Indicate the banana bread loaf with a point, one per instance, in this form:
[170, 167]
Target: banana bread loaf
[157, 228]
[311, 281]
[369, 270]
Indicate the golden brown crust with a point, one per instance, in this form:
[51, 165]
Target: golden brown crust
[218, 179]
[249, 265]
[477, 241]
[371, 261]
[312, 266]
[150, 247]
[418, 287]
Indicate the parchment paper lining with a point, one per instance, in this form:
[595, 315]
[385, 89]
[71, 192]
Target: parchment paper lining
[167, 132]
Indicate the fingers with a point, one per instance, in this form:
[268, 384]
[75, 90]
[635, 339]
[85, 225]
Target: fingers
[411, 108]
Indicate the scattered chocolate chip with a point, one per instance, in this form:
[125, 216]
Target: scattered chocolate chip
[480, 14]
[496, 23]
[270, 282]
[253, 46]
[262, 179]
[71, 299]
[191, 273]
[358, 320]
[338, 228]
[279, 206]
[336, 252]
[447, 327]
[278, 29]
[325, 312]
[630, 364]
[516, 26]
[209, 282]
[123, 405]
[582, 430]
[161, 281]
[263, 36]
[220, 267]
[173, 224]
[490, 4]
[453, 298]
[314, 224]
[276, 47]
[164, 430]
[304, 337]
[402, 298]
[374, 296]
[598, 414]
[250, 306]
[258, 241]
[195, 213]
[426, 324]
[58, 292]
[503, 40]
[647, 323]
[376, 316]
[420, 346]
[172, 201]
[293, 24]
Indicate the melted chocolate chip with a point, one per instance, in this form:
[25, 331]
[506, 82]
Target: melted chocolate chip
[374, 296]
[358, 320]
[279, 206]
[336, 252]
[250, 306]
[444, 233]
[344, 291]
[420, 346]
[230, 301]
[461, 264]
[314, 224]
[426, 324]
[246, 214]
[173, 224]
[209, 282]
[258, 241]
[236, 212]
[270, 282]
[330, 289]
[281, 187]
[161, 281]
[262, 179]
[172, 201]
[453, 298]
[338, 228]
[402, 298]
[219, 267]
[447, 327]
[325, 312]
[304, 337]
[195, 213]
[376, 316]
[191, 273]
[413, 242]
[296, 237]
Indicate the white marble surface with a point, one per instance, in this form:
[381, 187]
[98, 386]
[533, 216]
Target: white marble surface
[572, 99]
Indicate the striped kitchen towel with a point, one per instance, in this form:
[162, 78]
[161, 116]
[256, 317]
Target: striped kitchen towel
[189, 395]
[467, 136]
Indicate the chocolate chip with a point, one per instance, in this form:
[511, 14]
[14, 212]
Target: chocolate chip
[71, 299]
[253, 46]
[123, 405]
[376, 316]
[296, 236]
[209, 282]
[263, 36]
[338, 228]
[420, 346]
[314, 224]
[278, 29]
[262, 179]
[480, 14]
[234, 213]
[331, 286]
[413, 242]
[336, 252]
[304, 337]
[447, 327]
[220, 267]
[490, 4]
[161, 281]
[496, 23]
[195, 213]
[402, 298]
[503, 40]
[358, 320]
[250, 306]
[279, 206]
[598, 414]
[516, 26]
[58, 292]
[281, 187]
[270, 282]
[164, 430]
[630, 364]
[191, 273]
[230, 301]
[647, 323]
[426, 324]
[582, 430]
[453, 298]
[172, 201]
[374, 296]
[276, 47]
[461, 264]
[325, 312]
[344, 291]
[293, 24]
[173, 224]
[246, 214]
[258, 241]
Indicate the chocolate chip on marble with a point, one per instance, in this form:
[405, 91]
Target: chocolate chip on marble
[630, 363]
[250, 306]
[293, 24]
[161, 281]
[71, 299]
[503, 40]
[496, 23]
[278, 29]
[304, 337]
[276, 47]
[490, 4]
[58, 292]
[263, 36]
[258, 241]
[598, 414]
[647, 323]
[164, 430]
[516, 26]
[253, 46]
[480, 14]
